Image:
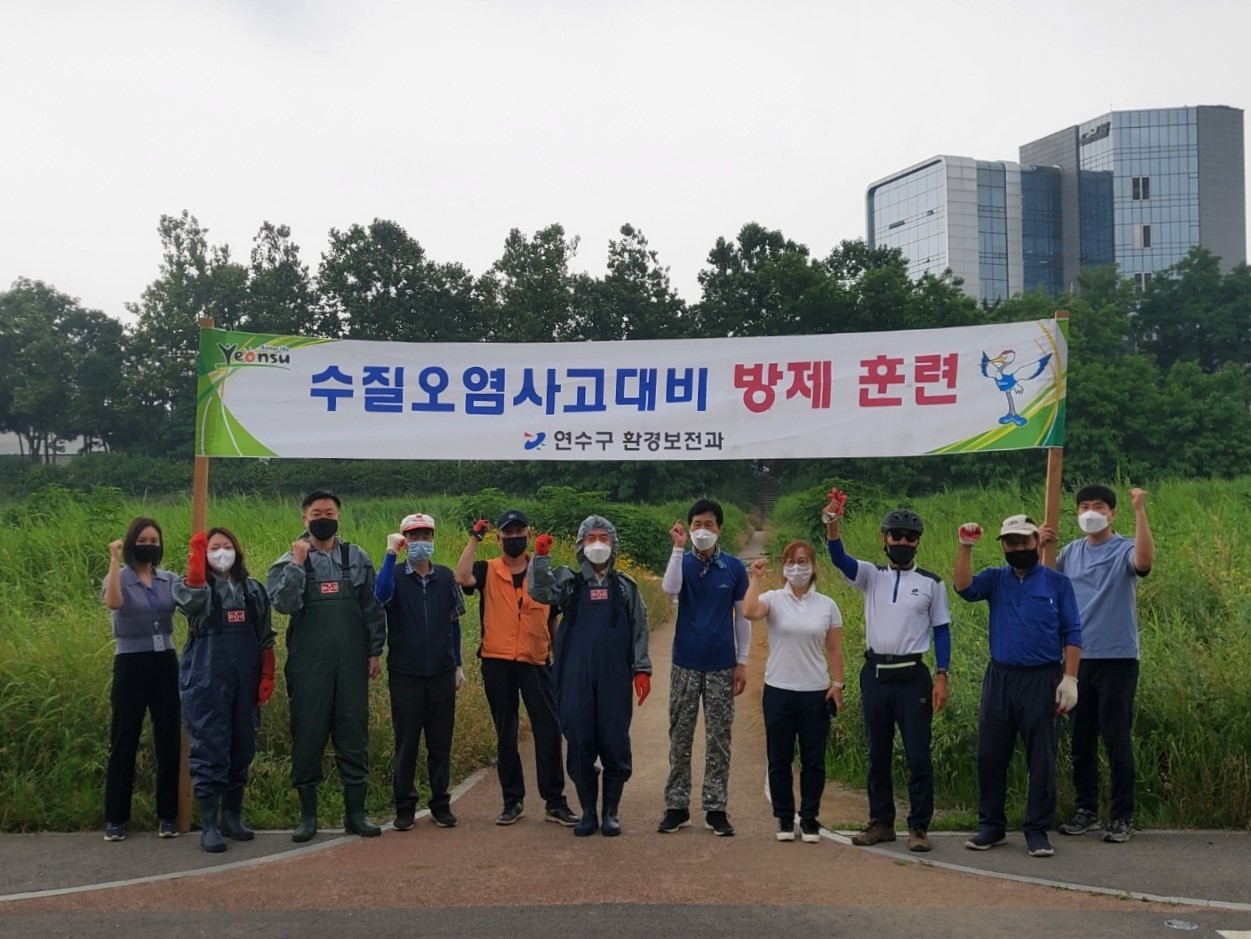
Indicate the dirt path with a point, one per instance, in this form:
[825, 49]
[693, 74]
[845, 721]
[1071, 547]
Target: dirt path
[534, 862]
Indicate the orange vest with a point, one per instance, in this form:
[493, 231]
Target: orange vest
[514, 626]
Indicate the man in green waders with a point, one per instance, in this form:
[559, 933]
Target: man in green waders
[334, 640]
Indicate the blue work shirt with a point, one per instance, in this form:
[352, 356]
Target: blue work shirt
[1032, 618]
[1106, 584]
[703, 640]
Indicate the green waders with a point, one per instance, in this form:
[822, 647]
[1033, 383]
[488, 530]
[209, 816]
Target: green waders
[328, 683]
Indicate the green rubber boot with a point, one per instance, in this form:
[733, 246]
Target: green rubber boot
[308, 815]
[355, 822]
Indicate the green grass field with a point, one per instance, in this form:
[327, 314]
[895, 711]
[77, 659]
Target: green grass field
[1193, 720]
[56, 648]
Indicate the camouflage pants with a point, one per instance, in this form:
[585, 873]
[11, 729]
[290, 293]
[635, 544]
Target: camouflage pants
[686, 688]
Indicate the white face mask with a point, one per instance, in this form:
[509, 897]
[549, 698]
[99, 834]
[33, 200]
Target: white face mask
[703, 538]
[1092, 522]
[797, 574]
[597, 552]
[221, 559]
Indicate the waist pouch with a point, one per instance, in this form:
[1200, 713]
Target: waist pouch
[894, 669]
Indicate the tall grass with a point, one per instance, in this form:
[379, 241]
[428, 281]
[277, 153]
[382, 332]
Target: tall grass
[1192, 731]
[56, 648]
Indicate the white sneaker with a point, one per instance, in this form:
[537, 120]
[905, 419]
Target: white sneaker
[786, 829]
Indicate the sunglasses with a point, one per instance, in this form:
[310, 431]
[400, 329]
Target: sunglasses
[898, 534]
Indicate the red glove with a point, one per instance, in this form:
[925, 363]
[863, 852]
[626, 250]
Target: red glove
[543, 544]
[642, 686]
[197, 558]
[480, 528]
[266, 688]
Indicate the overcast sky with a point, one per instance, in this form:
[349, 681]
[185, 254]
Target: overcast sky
[465, 118]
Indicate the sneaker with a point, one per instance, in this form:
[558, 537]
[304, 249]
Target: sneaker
[810, 830]
[786, 829]
[114, 831]
[985, 840]
[1119, 831]
[444, 818]
[919, 840]
[673, 820]
[719, 824]
[167, 829]
[403, 821]
[1082, 821]
[876, 832]
[561, 815]
[1039, 844]
[510, 814]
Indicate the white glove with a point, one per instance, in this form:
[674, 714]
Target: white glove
[460, 677]
[970, 533]
[394, 543]
[1066, 694]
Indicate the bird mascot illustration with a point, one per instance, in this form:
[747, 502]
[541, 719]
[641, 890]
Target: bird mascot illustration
[1008, 379]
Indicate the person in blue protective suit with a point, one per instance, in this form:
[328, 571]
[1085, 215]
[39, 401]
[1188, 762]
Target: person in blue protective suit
[424, 606]
[601, 652]
[226, 674]
[334, 647]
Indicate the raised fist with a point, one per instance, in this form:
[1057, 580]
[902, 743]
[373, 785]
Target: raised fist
[395, 541]
[678, 534]
[1138, 498]
[299, 551]
[757, 568]
[834, 510]
[970, 533]
[543, 544]
[480, 528]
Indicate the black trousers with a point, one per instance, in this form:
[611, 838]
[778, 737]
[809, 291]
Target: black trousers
[422, 705]
[1017, 700]
[143, 682]
[506, 682]
[909, 706]
[791, 715]
[1105, 709]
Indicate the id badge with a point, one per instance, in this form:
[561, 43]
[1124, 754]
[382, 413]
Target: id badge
[158, 642]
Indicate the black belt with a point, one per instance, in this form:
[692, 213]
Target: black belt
[879, 658]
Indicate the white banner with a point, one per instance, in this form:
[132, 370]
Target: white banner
[965, 389]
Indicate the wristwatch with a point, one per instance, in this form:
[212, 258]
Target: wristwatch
[838, 684]
[940, 671]
[828, 517]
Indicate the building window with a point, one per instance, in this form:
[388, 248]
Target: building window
[1142, 188]
[1142, 236]
[1142, 281]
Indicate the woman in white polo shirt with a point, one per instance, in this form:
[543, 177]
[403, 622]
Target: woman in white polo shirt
[805, 632]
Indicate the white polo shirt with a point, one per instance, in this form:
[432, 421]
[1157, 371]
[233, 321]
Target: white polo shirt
[797, 630]
[901, 608]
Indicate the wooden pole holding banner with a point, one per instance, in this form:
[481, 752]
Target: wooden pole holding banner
[1055, 470]
[199, 518]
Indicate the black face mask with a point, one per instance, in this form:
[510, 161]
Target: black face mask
[323, 529]
[901, 555]
[515, 546]
[147, 553]
[1022, 560]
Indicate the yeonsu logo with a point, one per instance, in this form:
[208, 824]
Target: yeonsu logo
[273, 356]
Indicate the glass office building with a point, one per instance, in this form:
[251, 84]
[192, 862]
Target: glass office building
[995, 225]
[1132, 188]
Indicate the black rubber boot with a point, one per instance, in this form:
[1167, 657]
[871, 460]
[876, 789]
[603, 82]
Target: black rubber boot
[211, 839]
[612, 800]
[354, 821]
[588, 796]
[232, 816]
[308, 815]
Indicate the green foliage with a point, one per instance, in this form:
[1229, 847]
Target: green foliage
[1192, 730]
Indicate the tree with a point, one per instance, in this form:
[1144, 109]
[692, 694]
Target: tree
[529, 294]
[377, 283]
[195, 280]
[634, 300]
[280, 299]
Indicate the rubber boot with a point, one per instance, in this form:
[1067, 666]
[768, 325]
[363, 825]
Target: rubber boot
[588, 796]
[612, 800]
[308, 815]
[211, 839]
[232, 816]
[354, 821]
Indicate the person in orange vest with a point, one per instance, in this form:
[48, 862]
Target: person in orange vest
[515, 655]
